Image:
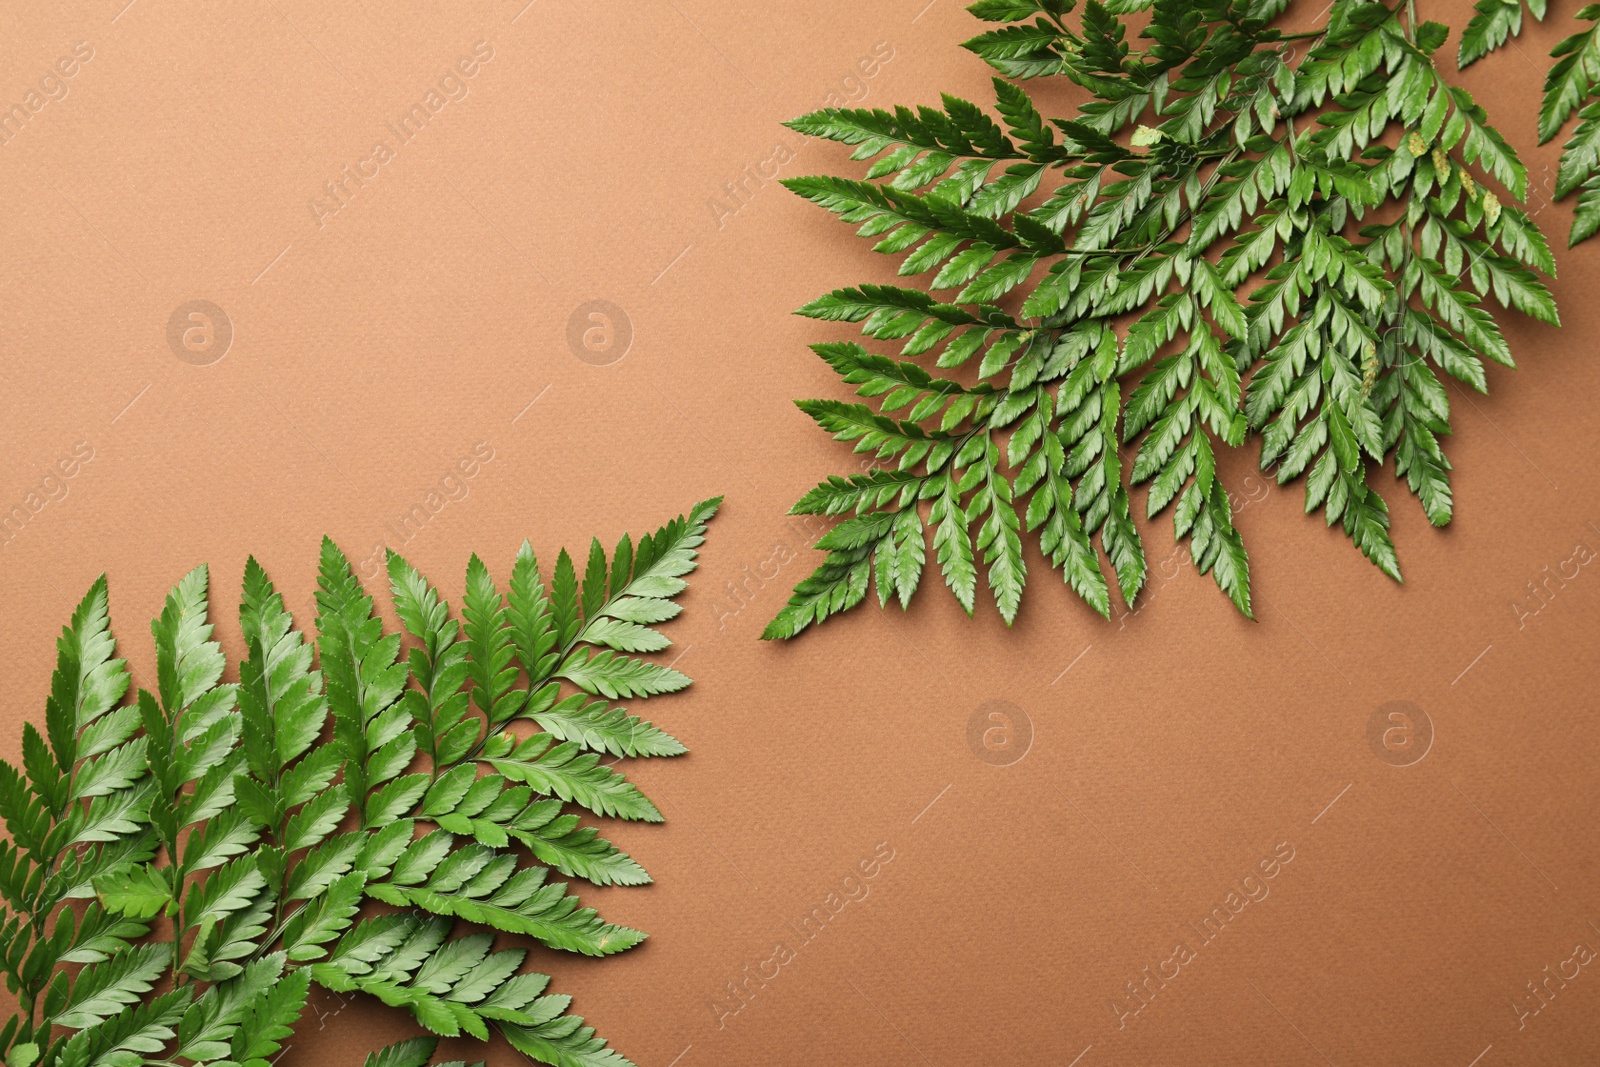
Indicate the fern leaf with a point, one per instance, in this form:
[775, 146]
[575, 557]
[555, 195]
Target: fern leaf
[138, 1032]
[208, 1025]
[440, 703]
[565, 770]
[1280, 161]
[474, 884]
[137, 892]
[413, 1053]
[489, 651]
[363, 680]
[577, 851]
[103, 991]
[288, 692]
[270, 1019]
[607, 674]
[595, 725]
[534, 628]
[210, 803]
[324, 918]
[188, 663]
[564, 1041]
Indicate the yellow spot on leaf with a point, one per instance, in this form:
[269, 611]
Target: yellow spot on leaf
[1441, 163]
[1491, 207]
[1144, 137]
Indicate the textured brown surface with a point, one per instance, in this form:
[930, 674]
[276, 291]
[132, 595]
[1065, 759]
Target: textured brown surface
[1169, 754]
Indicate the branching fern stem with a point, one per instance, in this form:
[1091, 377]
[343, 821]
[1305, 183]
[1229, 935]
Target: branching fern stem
[183, 866]
[1239, 234]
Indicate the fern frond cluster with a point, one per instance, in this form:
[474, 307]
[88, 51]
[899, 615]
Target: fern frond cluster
[1245, 232]
[1571, 87]
[185, 864]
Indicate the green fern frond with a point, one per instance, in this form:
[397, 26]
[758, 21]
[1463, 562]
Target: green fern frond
[1571, 87]
[228, 858]
[1222, 242]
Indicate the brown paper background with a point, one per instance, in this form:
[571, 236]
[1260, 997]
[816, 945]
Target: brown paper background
[1171, 751]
